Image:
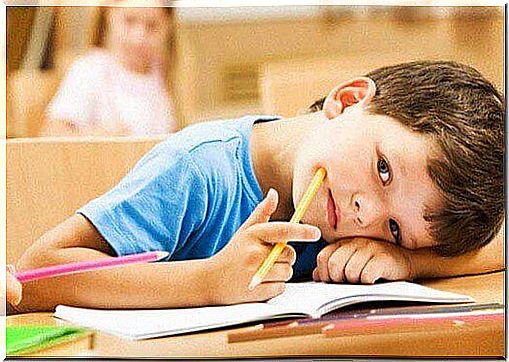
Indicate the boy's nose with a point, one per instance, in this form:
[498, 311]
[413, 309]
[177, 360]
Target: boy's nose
[367, 211]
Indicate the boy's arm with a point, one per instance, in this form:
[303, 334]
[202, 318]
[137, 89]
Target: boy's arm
[427, 264]
[221, 279]
[143, 285]
[362, 260]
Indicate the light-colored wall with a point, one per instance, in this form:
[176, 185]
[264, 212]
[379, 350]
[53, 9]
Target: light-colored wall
[357, 43]
[290, 86]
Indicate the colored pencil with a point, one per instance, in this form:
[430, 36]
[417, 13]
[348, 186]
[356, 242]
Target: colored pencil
[297, 216]
[84, 266]
[292, 329]
[310, 326]
[407, 324]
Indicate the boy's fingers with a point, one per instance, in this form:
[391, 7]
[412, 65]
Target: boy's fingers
[278, 232]
[339, 260]
[371, 272]
[316, 276]
[263, 210]
[322, 261]
[280, 272]
[288, 255]
[13, 289]
[356, 264]
[390, 270]
[269, 290]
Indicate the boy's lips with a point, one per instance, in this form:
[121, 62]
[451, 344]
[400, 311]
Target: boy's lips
[332, 211]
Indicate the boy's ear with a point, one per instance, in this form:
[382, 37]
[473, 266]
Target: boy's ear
[358, 91]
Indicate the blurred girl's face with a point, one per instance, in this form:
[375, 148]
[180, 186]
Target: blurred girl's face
[138, 35]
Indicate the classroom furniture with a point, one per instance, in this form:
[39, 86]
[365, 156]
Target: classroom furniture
[289, 87]
[48, 179]
[223, 54]
[28, 94]
[231, 56]
[481, 341]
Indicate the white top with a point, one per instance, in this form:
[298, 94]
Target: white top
[98, 91]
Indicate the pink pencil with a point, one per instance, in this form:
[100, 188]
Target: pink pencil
[83, 266]
[403, 324]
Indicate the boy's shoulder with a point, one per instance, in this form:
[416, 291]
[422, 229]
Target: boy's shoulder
[207, 138]
[215, 150]
[207, 146]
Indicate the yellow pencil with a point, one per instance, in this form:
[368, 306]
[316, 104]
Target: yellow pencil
[297, 216]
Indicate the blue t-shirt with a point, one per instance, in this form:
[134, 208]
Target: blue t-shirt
[188, 196]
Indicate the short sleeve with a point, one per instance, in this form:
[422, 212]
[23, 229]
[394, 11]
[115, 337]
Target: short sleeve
[74, 100]
[159, 205]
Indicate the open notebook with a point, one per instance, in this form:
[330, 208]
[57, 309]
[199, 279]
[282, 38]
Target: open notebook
[299, 300]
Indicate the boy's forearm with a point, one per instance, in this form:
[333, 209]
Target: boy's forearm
[427, 264]
[154, 285]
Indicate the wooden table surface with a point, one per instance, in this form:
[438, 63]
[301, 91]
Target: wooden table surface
[481, 341]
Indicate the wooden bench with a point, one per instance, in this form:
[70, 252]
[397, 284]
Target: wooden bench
[47, 179]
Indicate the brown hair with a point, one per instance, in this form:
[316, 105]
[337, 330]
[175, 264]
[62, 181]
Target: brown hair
[464, 114]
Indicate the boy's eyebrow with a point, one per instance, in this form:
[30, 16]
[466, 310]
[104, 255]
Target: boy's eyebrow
[400, 164]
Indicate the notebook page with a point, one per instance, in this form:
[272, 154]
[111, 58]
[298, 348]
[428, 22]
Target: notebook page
[316, 299]
[299, 299]
[137, 324]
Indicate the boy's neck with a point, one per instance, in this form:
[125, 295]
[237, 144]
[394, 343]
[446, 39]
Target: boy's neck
[273, 149]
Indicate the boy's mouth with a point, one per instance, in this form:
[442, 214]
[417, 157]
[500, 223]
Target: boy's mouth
[332, 211]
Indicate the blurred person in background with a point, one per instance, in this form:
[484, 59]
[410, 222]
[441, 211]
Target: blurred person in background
[120, 88]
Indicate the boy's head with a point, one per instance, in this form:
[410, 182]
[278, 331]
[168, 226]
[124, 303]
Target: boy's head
[413, 152]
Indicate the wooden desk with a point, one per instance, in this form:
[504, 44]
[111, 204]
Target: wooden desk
[479, 342]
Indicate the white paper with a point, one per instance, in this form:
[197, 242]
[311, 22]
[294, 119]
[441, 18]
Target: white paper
[316, 299]
[299, 299]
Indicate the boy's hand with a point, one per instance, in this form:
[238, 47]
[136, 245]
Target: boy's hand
[362, 260]
[233, 267]
[12, 287]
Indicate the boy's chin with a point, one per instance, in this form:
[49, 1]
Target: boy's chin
[331, 237]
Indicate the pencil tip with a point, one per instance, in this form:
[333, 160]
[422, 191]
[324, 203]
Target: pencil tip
[254, 282]
[162, 254]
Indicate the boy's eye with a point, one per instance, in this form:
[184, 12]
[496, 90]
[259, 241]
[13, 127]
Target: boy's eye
[394, 229]
[384, 171]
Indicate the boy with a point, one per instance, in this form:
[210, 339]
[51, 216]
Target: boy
[13, 288]
[414, 161]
